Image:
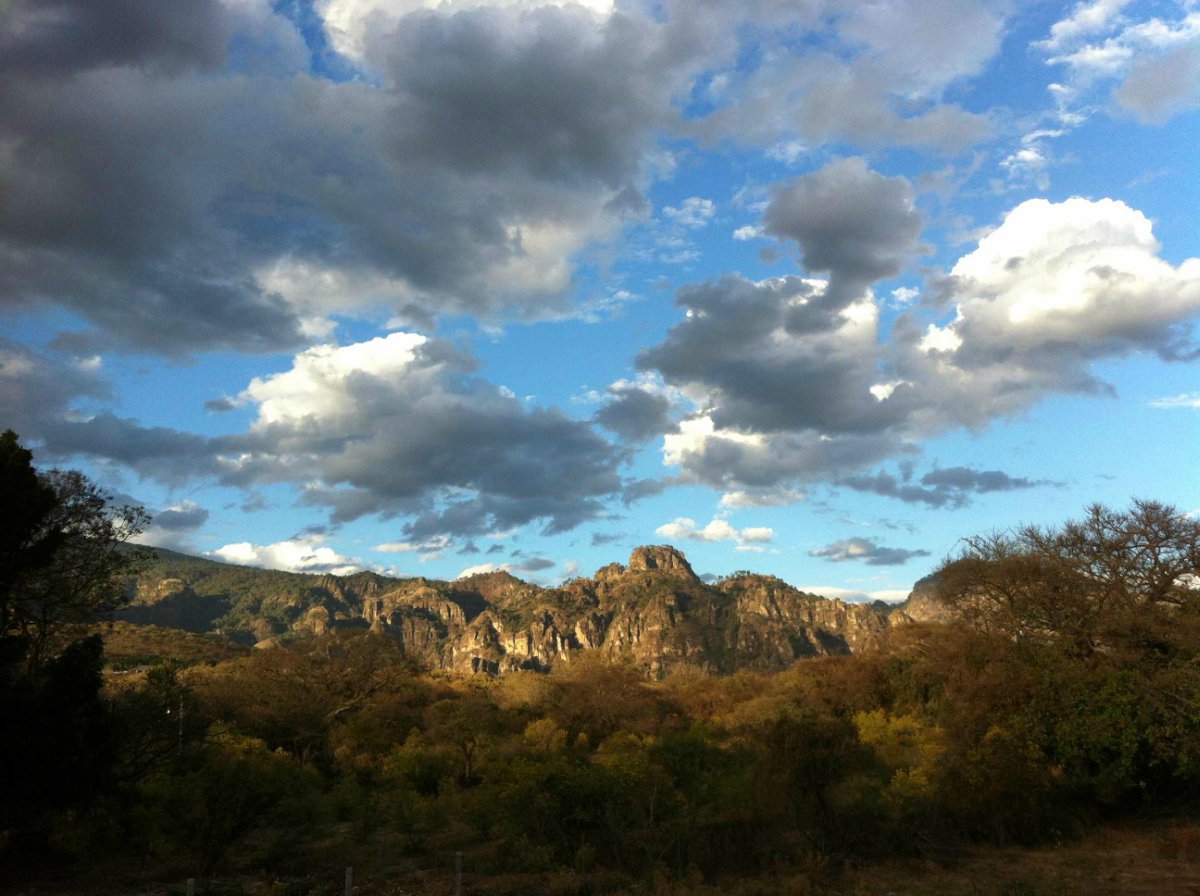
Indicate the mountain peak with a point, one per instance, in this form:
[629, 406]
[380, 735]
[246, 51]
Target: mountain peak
[661, 557]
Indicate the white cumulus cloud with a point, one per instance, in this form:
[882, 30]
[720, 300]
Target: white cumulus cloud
[716, 530]
[304, 554]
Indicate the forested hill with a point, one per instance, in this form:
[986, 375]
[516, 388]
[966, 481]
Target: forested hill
[655, 611]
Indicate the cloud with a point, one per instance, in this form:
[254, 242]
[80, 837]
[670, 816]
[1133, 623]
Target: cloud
[1159, 88]
[863, 550]
[787, 395]
[400, 426]
[636, 412]
[36, 390]
[182, 517]
[853, 596]
[716, 530]
[876, 77]
[42, 397]
[732, 460]
[302, 554]
[171, 527]
[927, 44]
[943, 487]
[180, 210]
[849, 221]
[1150, 65]
[55, 38]
[770, 355]
[1186, 400]
[429, 549]
[532, 564]
[522, 565]
[352, 26]
[1086, 19]
[694, 212]
[481, 569]
[1053, 289]
[766, 498]
[192, 181]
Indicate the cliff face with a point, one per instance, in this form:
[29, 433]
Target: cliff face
[923, 604]
[654, 612]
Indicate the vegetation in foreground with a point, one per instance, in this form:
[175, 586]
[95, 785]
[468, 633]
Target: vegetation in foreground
[1063, 697]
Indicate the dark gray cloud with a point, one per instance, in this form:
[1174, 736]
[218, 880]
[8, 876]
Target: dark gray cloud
[40, 394]
[180, 180]
[635, 414]
[638, 489]
[400, 426]
[50, 38]
[849, 221]
[979, 481]
[172, 527]
[942, 487]
[738, 343]
[521, 563]
[731, 462]
[35, 389]
[603, 538]
[158, 452]
[179, 211]
[181, 518]
[863, 550]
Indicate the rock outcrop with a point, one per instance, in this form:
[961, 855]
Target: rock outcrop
[655, 612]
[923, 604]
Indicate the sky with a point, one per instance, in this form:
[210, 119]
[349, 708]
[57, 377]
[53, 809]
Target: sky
[805, 287]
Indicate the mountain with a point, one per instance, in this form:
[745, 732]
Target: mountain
[655, 612]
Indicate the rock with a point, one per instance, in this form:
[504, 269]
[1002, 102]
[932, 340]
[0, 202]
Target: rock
[661, 558]
[922, 605]
[654, 612]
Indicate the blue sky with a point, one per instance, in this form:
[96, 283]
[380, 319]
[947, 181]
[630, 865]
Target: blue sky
[803, 287]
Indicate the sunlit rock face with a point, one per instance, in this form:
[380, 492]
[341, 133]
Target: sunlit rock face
[924, 604]
[655, 613]
[662, 558]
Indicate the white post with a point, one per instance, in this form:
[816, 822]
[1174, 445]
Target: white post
[191, 886]
[349, 881]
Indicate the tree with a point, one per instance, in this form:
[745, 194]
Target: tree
[62, 556]
[1091, 585]
[61, 564]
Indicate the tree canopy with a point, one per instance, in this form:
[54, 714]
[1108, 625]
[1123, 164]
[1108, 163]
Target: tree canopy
[1091, 584]
[63, 560]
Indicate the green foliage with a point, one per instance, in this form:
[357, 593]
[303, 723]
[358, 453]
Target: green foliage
[232, 787]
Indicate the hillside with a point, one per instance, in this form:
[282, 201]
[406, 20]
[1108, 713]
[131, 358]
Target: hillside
[655, 612]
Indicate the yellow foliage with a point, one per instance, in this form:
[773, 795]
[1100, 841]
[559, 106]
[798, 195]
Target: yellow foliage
[907, 746]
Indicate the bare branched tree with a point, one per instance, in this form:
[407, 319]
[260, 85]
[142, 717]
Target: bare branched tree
[1089, 585]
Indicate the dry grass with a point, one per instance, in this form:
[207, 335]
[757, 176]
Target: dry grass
[1152, 859]
[1140, 860]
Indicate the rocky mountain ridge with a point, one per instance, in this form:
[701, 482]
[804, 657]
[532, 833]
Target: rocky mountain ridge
[655, 612]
